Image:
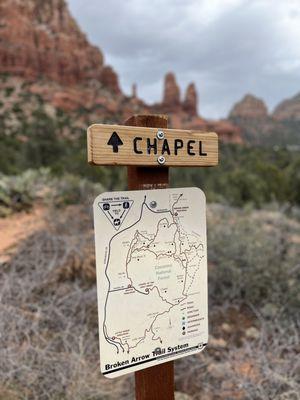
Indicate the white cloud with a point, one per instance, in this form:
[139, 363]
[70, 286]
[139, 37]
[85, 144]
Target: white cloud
[228, 47]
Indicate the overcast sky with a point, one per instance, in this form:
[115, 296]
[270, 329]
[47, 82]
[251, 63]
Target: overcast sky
[227, 47]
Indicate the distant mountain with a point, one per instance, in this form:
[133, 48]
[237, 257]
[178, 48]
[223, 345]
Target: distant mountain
[45, 57]
[249, 107]
[258, 126]
[288, 110]
[40, 39]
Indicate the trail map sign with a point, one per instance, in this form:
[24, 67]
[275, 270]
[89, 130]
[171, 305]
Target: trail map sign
[152, 277]
[124, 145]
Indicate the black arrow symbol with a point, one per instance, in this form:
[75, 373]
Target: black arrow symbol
[115, 142]
[110, 215]
[122, 214]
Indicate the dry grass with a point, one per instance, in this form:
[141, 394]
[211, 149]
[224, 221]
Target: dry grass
[48, 318]
[49, 329]
[265, 367]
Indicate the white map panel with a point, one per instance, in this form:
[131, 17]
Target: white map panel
[151, 260]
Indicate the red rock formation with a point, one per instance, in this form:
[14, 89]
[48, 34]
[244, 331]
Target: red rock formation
[110, 79]
[249, 107]
[41, 39]
[171, 94]
[184, 114]
[46, 54]
[288, 109]
[134, 91]
[227, 131]
[191, 100]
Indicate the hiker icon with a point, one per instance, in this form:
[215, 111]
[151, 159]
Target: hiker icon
[126, 204]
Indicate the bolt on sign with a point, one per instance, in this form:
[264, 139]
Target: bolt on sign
[151, 277]
[124, 145]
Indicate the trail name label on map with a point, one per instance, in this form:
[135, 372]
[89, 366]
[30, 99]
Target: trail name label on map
[151, 277]
[124, 145]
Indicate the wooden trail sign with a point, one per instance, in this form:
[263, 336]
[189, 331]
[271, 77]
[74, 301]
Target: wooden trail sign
[123, 145]
[142, 144]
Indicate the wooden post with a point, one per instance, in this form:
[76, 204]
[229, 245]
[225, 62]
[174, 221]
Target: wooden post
[154, 383]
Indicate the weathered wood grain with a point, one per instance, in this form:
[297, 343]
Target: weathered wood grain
[141, 147]
[157, 382]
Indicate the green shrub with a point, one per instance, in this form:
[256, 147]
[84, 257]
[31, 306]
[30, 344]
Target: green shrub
[245, 175]
[19, 192]
[8, 91]
[254, 258]
[71, 189]
[15, 195]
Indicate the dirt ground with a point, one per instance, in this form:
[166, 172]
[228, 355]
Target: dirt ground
[17, 227]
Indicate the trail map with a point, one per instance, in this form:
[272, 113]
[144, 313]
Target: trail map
[151, 277]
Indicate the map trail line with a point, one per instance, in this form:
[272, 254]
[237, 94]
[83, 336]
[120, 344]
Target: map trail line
[119, 342]
[108, 339]
[151, 277]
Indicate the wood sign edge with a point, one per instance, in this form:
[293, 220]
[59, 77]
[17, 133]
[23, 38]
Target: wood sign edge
[94, 140]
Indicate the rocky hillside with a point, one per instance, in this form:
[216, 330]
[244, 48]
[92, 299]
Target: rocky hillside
[45, 57]
[183, 112]
[259, 126]
[249, 107]
[288, 110]
[43, 51]
[41, 39]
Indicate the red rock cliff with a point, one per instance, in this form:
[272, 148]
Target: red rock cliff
[171, 94]
[288, 109]
[191, 100]
[39, 38]
[249, 107]
[43, 49]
